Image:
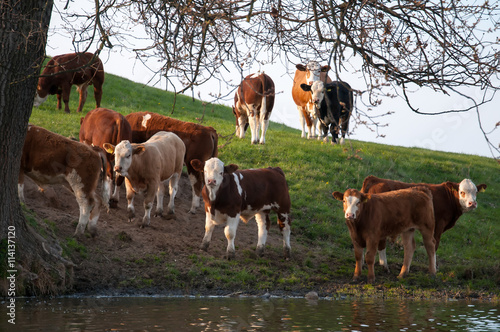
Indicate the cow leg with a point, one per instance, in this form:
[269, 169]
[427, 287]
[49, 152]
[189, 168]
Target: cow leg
[254, 124]
[66, 90]
[358, 255]
[284, 224]
[108, 183]
[20, 187]
[409, 249]
[82, 90]
[130, 200]
[172, 190]
[149, 197]
[302, 117]
[97, 93]
[371, 250]
[230, 232]
[115, 198]
[160, 193]
[430, 247]
[209, 229]
[382, 255]
[241, 129]
[196, 179]
[264, 123]
[59, 104]
[263, 222]
[94, 216]
[345, 127]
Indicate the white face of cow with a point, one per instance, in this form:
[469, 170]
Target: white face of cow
[214, 174]
[318, 93]
[467, 192]
[313, 72]
[39, 100]
[351, 207]
[123, 157]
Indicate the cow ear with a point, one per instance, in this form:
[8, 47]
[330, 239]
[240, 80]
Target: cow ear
[305, 87]
[338, 195]
[230, 168]
[81, 120]
[481, 188]
[325, 68]
[365, 197]
[452, 186]
[300, 67]
[198, 165]
[109, 148]
[138, 149]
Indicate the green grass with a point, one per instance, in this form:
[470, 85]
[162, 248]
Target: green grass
[468, 254]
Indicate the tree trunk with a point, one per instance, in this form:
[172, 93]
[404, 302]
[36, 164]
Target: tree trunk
[29, 264]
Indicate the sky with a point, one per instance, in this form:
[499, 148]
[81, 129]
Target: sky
[455, 132]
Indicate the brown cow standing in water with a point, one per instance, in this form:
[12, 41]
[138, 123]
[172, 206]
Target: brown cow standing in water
[63, 71]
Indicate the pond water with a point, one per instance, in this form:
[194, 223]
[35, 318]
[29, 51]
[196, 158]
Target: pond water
[248, 314]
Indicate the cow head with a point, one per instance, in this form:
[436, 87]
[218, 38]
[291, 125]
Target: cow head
[313, 70]
[317, 89]
[213, 170]
[123, 155]
[353, 202]
[39, 100]
[467, 192]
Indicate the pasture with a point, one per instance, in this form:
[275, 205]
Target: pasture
[322, 254]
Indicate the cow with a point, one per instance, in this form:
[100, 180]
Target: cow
[145, 166]
[63, 71]
[230, 194]
[200, 141]
[371, 218]
[100, 126]
[333, 105]
[450, 201]
[253, 104]
[49, 158]
[307, 75]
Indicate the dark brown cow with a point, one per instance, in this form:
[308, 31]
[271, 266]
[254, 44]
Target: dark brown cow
[374, 217]
[253, 104]
[100, 126]
[200, 142]
[63, 71]
[49, 158]
[450, 200]
[307, 75]
[230, 194]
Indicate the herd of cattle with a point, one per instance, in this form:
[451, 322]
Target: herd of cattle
[145, 150]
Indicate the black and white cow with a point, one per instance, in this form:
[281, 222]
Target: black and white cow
[333, 103]
[230, 194]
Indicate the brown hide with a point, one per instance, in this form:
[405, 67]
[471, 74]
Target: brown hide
[446, 203]
[251, 91]
[200, 141]
[65, 70]
[103, 125]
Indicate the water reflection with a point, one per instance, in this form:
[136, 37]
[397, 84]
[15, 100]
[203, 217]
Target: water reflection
[249, 314]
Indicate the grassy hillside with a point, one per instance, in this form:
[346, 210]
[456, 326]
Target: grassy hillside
[468, 256]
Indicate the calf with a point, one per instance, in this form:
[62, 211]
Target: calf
[63, 71]
[253, 104]
[307, 75]
[200, 142]
[230, 194]
[333, 106]
[373, 217]
[145, 167]
[450, 201]
[49, 158]
[100, 126]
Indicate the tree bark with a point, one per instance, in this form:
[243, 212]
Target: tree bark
[29, 264]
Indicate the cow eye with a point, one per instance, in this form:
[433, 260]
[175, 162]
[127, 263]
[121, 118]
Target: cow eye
[462, 193]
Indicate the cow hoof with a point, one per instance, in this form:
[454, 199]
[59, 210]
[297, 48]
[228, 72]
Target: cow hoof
[204, 246]
[287, 253]
[334, 143]
[230, 255]
[260, 251]
[159, 213]
[192, 211]
[171, 216]
[113, 203]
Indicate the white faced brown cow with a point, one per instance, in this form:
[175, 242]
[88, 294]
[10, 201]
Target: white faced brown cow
[253, 104]
[373, 217]
[66, 70]
[230, 194]
[450, 201]
[145, 166]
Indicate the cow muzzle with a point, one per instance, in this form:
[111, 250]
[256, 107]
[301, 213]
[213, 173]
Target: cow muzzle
[211, 182]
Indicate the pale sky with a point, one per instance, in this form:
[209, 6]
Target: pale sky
[456, 132]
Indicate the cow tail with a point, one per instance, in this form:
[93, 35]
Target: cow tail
[105, 193]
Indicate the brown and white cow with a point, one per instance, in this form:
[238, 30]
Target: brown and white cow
[145, 166]
[63, 71]
[200, 141]
[374, 217]
[450, 201]
[230, 194]
[100, 126]
[49, 158]
[253, 104]
[307, 75]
